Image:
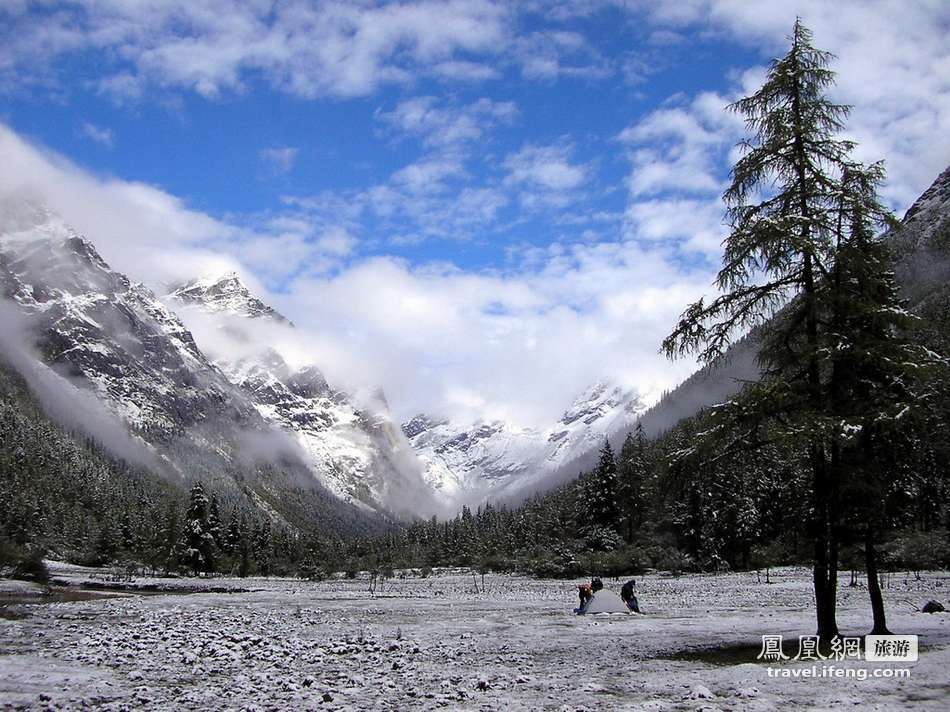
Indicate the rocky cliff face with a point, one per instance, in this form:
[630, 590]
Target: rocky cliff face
[94, 324]
[352, 447]
[922, 244]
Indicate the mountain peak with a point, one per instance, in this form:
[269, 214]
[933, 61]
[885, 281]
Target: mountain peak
[938, 193]
[599, 400]
[226, 293]
[21, 211]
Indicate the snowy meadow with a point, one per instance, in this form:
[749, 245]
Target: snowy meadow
[436, 642]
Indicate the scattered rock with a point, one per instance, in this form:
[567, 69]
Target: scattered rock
[700, 692]
[933, 607]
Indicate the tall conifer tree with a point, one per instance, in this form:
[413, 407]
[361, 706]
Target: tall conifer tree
[800, 210]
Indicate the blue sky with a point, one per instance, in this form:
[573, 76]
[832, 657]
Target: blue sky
[485, 207]
[243, 150]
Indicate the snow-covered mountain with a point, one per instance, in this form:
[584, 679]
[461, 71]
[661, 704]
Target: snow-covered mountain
[225, 294]
[225, 421]
[495, 459]
[356, 449]
[197, 372]
[922, 244]
[94, 324]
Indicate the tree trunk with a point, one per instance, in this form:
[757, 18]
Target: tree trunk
[826, 554]
[874, 585]
[825, 574]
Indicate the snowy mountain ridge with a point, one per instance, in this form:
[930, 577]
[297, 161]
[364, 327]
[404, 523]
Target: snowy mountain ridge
[354, 449]
[225, 293]
[496, 459]
[95, 324]
[361, 452]
[206, 417]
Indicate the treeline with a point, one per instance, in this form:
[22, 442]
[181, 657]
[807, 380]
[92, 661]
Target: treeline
[657, 505]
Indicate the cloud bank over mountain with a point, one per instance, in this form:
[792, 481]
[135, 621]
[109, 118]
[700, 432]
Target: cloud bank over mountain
[595, 238]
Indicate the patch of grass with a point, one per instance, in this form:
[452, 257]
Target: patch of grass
[13, 614]
[738, 654]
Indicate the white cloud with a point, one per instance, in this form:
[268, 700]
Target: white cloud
[336, 241]
[893, 65]
[696, 224]
[446, 126]
[465, 71]
[681, 148]
[545, 176]
[587, 312]
[428, 175]
[418, 200]
[549, 55]
[279, 160]
[307, 49]
[428, 334]
[100, 135]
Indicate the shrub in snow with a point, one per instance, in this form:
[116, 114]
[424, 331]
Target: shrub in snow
[32, 568]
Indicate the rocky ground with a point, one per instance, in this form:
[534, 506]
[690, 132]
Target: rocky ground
[436, 642]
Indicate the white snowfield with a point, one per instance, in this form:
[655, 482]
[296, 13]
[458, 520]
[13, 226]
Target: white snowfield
[436, 643]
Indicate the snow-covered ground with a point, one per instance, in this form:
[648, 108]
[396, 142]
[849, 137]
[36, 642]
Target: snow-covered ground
[435, 642]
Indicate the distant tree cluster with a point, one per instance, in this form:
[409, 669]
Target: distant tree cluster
[63, 496]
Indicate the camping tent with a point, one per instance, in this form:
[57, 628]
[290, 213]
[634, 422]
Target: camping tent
[606, 602]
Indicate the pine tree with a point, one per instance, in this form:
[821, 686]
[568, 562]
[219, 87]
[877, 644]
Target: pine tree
[600, 513]
[232, 535]
[242, 548]
[261, 547]
[197, 549]
[214, 528]
[780, 266]
[632, 476]
[469, 548]
[882, 379]
[108, 543]
[169, 539]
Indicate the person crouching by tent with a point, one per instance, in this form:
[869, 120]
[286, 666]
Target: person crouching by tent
[629, 597]
[603, 601]
[586, 591]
